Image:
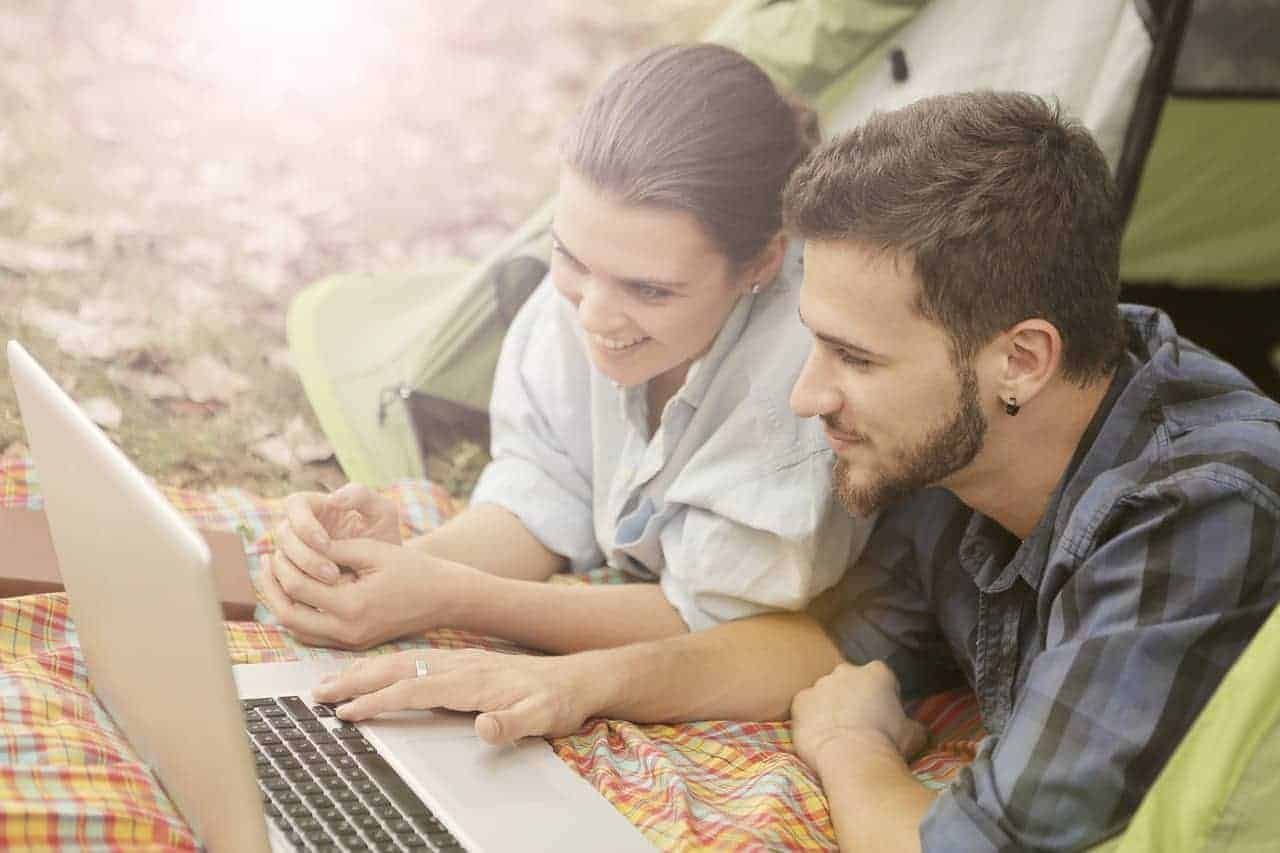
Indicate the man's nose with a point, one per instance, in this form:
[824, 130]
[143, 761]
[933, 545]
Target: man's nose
[815, 393]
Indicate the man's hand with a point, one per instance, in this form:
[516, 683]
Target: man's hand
[394, 590]
[852, 707]
[517, 695]
[313, 520]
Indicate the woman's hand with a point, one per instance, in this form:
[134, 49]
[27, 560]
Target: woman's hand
[517, 695]
[390, 591]
[313, 520]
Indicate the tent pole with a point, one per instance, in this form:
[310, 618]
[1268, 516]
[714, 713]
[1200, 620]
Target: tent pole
[1156, 82]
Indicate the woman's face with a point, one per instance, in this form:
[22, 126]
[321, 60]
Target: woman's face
[650, 288]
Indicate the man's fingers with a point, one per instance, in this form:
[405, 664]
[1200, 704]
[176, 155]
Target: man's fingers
[303, 556]
[525, 718]
[364, 677]
[915, 738]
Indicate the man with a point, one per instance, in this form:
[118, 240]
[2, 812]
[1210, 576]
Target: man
[1080, 510]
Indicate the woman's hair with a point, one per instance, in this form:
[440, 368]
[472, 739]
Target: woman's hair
[695, 128]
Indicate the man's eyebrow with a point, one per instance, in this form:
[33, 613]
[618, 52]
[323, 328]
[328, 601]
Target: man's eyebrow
[833, 341]
[630, 282]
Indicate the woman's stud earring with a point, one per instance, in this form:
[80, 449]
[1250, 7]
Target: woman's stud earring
[1011, 406]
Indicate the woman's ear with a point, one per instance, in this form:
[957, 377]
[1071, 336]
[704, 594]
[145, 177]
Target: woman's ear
[760, 271]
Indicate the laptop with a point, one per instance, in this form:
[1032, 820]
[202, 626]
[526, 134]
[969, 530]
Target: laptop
[244, 753]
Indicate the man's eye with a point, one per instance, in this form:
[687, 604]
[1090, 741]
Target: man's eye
[852, 360]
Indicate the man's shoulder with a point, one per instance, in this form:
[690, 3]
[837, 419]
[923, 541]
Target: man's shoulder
[1188, 429]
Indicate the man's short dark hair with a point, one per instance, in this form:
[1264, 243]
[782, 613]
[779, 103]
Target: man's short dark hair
[1007, 210]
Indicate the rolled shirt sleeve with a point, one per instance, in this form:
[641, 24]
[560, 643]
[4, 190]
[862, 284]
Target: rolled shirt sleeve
[742, 553]
[541, 435]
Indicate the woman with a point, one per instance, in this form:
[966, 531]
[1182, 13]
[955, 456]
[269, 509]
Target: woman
[639, 409]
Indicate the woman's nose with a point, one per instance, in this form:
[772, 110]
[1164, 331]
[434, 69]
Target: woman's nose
[597, 310]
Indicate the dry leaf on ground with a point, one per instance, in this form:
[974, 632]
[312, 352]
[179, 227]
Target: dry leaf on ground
[208, 380]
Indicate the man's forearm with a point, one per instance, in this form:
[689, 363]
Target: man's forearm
[748, 669]
[875, 801]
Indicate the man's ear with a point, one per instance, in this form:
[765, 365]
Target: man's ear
[1032, 354]
[760, 272]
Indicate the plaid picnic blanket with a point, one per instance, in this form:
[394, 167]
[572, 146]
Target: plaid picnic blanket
[69, 780]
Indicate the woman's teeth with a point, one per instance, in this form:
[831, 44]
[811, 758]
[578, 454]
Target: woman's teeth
[616, 344]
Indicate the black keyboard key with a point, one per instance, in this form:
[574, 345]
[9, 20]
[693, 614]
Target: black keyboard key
[275, 784]
[297, 775]
[308, 789]
[346, 731]
[257, 728]
[323, 709]
[288, 762]
[344, 796]
[331, 815]
[260, 702]
[358, 747]
[332, 749]
[277, 751]
[322, 738]
[295, 706]
[400, 793]
[400, 826]
[297, 811]
[312, 759]
[323, 771]
[287, 798]
[318, 836]
[310, 725]
[267, 739]
[271, 711]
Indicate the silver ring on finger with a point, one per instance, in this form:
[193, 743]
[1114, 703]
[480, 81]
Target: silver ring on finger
[420, 668]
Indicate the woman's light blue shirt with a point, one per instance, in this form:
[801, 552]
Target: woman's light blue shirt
[728, 505]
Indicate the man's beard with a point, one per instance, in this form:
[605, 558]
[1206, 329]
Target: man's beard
[942, 452]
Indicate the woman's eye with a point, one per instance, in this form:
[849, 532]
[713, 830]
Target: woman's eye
[650, 293]
[569, 259]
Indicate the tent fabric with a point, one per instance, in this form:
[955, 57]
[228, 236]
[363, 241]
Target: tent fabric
[1220, 789]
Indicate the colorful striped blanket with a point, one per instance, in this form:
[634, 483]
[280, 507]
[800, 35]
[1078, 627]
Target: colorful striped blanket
[68, 780]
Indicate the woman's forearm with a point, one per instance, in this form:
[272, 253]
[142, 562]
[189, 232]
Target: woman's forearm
[491, 539]
[563, 618]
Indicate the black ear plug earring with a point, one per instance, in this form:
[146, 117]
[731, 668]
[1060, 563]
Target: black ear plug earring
[1011, 406]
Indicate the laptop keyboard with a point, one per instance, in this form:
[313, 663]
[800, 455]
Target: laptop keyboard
[326, 788]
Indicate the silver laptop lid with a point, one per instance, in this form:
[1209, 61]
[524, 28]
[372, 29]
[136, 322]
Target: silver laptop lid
[142, 597]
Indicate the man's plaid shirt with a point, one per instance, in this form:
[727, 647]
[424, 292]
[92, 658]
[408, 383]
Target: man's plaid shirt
[1093, 644]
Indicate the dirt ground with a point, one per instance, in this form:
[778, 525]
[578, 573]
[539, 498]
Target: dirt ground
[170, 179]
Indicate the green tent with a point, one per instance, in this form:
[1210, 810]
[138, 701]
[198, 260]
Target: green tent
[1181, 95]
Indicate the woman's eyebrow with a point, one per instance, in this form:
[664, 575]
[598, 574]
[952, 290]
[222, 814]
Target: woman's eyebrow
[630, 282]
